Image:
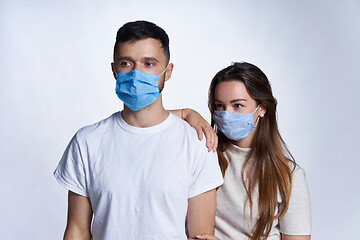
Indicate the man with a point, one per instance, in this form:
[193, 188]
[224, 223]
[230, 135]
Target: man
[140, 173]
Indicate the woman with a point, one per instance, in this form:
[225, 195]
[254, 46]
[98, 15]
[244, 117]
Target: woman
[265, 195]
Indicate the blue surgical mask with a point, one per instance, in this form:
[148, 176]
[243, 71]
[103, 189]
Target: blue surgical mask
[235, 126]
[137, 89]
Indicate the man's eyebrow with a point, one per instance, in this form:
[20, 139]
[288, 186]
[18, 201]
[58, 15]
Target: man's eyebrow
[150, 59]
[125, 58]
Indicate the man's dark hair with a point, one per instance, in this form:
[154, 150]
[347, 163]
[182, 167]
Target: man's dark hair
[139, 30]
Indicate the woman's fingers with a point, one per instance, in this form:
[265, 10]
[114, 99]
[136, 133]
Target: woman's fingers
[202, 128]
[199, 131]
[211, 138]
[207, 237]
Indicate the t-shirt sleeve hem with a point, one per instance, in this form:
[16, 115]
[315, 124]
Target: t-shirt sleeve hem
[206, 188]
[69, 187]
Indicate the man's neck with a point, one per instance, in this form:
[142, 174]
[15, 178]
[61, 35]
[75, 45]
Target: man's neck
[149, 116]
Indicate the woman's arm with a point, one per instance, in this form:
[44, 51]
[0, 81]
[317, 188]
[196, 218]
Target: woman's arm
[205, 237]
[295, 237]
[200, 124]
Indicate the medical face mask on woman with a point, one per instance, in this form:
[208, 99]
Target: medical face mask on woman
[235, 126]
[137, 89]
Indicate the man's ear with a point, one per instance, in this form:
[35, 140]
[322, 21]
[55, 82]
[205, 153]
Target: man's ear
[113, 69]
[168, 71]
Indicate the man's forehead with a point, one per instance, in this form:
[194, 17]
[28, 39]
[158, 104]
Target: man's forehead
[144, 41]
[148, 47]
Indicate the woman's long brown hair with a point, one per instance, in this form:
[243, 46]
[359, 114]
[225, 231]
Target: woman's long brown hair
[266, 168]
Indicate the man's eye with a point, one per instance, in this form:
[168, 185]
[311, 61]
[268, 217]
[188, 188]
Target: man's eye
[124, 64]
[149, 64]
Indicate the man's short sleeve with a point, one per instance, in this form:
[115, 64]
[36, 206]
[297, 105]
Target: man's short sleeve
[207, 174]
[297, 220]
[70, 172]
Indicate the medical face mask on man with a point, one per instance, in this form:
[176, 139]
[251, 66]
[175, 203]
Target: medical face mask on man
[235, 126]
[137, 89]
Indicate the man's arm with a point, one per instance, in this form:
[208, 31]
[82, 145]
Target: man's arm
[79, 218]
[201, 214]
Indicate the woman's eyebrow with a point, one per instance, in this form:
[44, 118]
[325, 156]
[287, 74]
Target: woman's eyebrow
[237, 100]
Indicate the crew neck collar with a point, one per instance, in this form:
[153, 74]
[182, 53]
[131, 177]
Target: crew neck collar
[146, 130]
[235, 149]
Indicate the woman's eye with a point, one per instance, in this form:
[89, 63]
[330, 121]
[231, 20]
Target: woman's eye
[238, 106]
[219, 107]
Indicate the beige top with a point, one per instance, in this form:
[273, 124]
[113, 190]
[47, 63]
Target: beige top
[232, 223]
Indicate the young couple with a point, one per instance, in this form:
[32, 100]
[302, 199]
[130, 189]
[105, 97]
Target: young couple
[143, 174]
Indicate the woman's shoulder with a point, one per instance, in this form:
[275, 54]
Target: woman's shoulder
[299, 183]
[295, 168]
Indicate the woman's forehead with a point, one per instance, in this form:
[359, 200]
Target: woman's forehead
[231, 89]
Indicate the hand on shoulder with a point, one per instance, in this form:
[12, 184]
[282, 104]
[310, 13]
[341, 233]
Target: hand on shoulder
[205, 237]
[201, 126]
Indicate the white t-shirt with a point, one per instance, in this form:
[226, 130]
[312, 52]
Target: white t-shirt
[138, 180]
[232, 223]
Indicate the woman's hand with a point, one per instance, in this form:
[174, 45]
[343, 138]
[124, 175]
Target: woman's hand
[201, 126]
[205, 237]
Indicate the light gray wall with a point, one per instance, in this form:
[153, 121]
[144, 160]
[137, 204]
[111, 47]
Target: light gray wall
[55, 78]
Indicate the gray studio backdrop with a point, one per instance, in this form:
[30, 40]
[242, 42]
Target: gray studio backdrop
[55, 78]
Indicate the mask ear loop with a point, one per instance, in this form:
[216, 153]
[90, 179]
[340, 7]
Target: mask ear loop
[256, 108]
[257, 120]
[164, 70]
